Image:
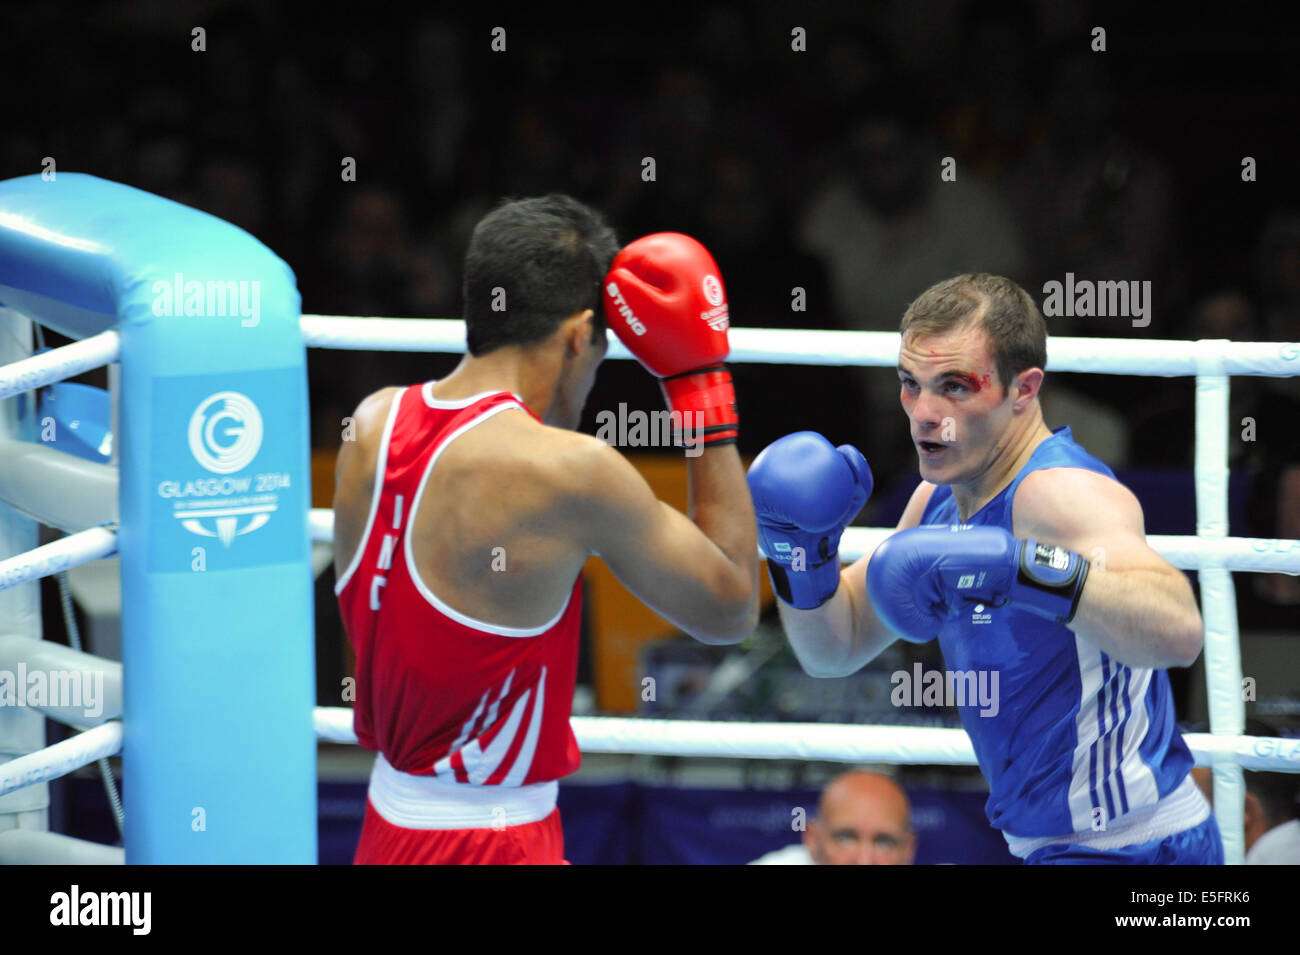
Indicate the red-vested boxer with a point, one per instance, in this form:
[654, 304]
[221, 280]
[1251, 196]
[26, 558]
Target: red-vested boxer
[466, 508]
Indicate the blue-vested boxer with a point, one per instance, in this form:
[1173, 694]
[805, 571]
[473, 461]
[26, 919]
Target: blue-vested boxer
[1025, 557]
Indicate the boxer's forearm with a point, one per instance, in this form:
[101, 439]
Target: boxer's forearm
[1142, 618]
[719, 504]
[837, 638]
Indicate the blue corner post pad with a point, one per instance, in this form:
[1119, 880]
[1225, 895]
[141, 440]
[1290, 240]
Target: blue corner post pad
[220, 754]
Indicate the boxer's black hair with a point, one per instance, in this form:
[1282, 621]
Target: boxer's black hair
[531, 264]
[1008, 314]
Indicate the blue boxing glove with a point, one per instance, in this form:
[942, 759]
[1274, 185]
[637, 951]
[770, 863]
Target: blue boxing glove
[805, 493]
[920, 578]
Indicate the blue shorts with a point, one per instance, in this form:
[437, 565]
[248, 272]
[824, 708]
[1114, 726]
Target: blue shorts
[1200, 845]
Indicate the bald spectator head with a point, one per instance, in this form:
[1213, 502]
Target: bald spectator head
[863, 819]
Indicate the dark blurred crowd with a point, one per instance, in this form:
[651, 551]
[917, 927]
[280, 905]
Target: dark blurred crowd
[815, 169]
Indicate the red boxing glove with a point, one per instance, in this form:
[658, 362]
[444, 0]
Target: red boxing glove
[665, 301]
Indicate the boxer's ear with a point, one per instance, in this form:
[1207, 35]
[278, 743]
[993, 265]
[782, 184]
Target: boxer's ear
[1027, 386]
[577, 332]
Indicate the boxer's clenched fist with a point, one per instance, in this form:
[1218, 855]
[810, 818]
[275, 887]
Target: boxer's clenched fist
[921, 577]
[805, 493]
[665, 300]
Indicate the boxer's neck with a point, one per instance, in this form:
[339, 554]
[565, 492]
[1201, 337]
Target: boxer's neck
[529, 373]
[1025, 433]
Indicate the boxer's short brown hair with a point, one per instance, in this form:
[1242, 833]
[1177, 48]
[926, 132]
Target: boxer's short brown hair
[1008, 314]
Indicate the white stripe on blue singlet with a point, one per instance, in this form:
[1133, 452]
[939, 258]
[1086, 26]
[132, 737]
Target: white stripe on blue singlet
[1107, 772]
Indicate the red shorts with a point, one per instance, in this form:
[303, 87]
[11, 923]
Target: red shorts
[534, 843]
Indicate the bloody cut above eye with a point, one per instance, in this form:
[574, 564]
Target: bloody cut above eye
[952, 377]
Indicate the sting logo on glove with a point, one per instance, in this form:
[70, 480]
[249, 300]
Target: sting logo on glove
[620, 304]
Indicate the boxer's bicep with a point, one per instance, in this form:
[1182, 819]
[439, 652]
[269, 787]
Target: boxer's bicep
[1135, 605]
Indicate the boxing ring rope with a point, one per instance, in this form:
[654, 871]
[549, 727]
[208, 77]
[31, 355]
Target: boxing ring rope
[1258, 554]
[789, 346]
[61, 758]
[831, 742]
[60, 363]
[48, 559]
[910, 745]
[86, 284]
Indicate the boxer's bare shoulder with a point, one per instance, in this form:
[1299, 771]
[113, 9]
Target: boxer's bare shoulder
[1068, 504]
[1089, 513]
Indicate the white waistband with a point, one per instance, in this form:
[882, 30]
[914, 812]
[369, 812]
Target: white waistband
[1183, 808]
[437, 802]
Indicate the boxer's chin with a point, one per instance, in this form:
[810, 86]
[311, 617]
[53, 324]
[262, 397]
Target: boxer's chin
[933, 460]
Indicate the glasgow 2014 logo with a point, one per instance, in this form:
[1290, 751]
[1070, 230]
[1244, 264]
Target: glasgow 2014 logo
[225, 432]
[225, 436]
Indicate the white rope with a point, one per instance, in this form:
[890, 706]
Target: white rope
[801, 346]
[1256, 554]
[819, 741]
[320, 522]
[383, 334]
[48, 559]
[1182, 551]
[832, 742]
[1185, 553]
[1268, 753]
[333, 724]
[61, 758]
[59, 363]
[1125, 356]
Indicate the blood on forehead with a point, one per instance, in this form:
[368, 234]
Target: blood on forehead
[977, 381]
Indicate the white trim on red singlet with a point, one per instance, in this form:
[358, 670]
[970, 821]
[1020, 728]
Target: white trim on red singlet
[381, 466]
[426, 390]
[427, 592]
[438, 802]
